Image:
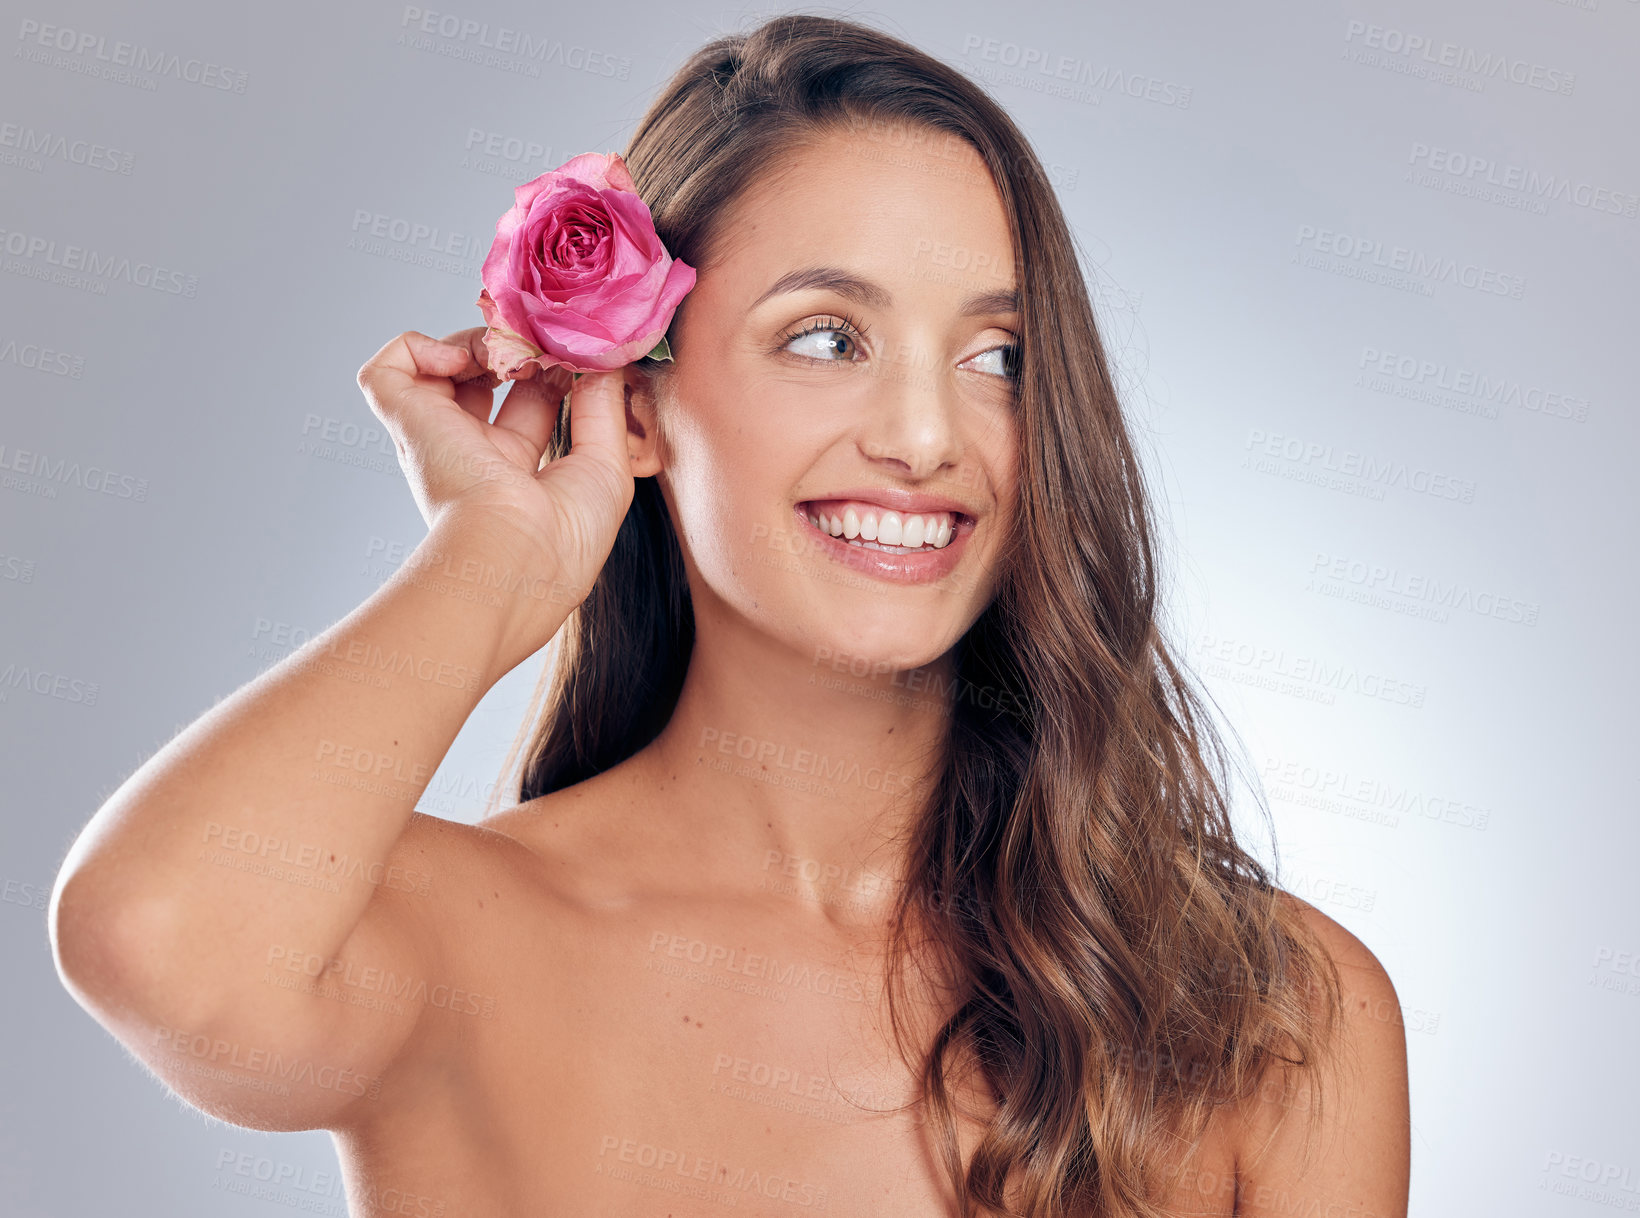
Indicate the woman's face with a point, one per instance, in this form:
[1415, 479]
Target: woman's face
[848, 358]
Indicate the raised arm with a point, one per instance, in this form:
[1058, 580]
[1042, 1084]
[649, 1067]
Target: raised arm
[265, 849]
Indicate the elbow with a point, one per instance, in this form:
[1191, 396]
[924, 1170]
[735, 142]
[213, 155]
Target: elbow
[108, 951]
[81, 928]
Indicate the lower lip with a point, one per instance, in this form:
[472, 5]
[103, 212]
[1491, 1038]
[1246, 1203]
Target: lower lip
[924, 566]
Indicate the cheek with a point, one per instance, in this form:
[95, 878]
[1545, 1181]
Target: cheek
[725, 477]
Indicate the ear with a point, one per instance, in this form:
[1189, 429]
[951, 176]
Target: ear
[642, 444]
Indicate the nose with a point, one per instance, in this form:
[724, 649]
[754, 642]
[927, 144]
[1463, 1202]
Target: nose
[912, 415]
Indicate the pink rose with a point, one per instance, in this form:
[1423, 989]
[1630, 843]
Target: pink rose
[577, 275]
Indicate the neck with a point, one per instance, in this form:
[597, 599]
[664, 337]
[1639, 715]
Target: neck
[804, 777]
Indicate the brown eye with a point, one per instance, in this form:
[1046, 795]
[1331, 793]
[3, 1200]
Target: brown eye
[823, 342]
[833, 338]
[1001, 361]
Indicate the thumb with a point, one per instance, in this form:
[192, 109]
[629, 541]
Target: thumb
[597, 418]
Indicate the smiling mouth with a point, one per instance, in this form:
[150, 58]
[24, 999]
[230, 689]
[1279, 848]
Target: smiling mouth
[869, 526]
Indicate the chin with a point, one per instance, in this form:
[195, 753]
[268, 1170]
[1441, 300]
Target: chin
[854, 647]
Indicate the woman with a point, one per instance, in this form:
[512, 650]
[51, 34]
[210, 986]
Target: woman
[872, 856]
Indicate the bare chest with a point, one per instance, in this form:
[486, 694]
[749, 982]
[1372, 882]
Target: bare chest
[656, 1061]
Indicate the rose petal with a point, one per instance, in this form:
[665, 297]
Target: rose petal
[603, 172]
[577, 274]
[507, 352]
[618, 175]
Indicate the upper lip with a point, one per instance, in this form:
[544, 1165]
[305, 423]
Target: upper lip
[908, 502]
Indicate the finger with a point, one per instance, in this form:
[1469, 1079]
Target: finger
[477, 363]
[474, 383]
[531, 407]
[476, 376]
[477, 366]
[435, 357]
[388, 376]
[477, 396]
[597, 419]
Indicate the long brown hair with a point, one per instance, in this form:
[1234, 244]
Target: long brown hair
[1121, 965]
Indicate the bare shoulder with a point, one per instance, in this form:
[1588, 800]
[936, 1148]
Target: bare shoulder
[580, 838]
[449, 862]
[544, 827]
[466, 869]
[1346, 950]
[1336, 1132]
[454, 904]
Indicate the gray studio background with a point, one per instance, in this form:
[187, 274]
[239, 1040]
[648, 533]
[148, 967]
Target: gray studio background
[1368, 269]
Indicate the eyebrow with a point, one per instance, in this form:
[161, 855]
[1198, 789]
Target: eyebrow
[868, 292]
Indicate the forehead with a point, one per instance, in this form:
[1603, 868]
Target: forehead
[911, 206]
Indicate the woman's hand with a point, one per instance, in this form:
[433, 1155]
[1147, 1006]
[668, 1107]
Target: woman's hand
[435, 398]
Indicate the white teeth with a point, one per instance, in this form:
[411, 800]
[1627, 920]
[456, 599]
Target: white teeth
[887, 528]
